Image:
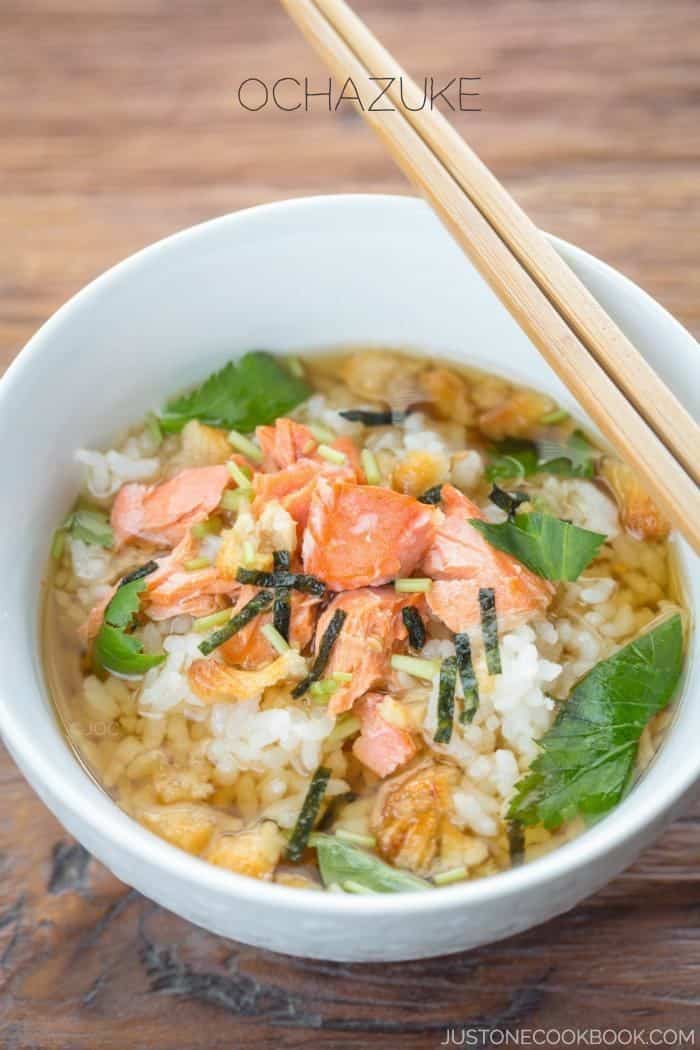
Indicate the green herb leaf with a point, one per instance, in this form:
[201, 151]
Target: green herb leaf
[339, 862]
[114, 650]
[516, 459]
[588, 755]
[554, 549]
[90, 526]
[246, 393]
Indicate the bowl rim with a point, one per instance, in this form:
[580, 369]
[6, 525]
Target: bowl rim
[619, 826]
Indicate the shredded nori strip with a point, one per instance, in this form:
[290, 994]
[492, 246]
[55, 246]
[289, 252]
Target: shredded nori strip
[309, 812]
[324, 651]
[508, 501]
[138, 574]
[516, 842]
[262, 601]
[298, 580]
[432, 496]
[373, 419]
[467, 678]
[282, 605]
[489, 629]
[414, 625]
[446, 700]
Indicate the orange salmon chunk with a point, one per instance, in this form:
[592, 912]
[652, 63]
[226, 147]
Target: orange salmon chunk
[363, 535]
[381, 746]
[164, 513]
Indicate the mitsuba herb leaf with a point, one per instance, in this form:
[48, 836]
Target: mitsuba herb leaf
[244, 394]
[516, 459]
[89, 525]
[341, 863]
[554, 549]
[589, 753]
[114, 650]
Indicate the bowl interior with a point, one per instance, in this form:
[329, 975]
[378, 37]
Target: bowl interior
[309, 274]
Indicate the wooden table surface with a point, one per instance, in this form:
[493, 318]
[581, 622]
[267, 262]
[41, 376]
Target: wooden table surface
[119, 124]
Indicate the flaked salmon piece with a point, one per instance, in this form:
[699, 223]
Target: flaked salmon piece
[88, 630]
[293, 486]
[381, 746]
[287, 442]
[173, 591]
[212, 681]
[461, 561]
[250, 649]
[373, 628]
[364, 535]
[163, 513]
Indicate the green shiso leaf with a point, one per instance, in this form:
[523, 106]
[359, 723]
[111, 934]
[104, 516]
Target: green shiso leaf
[114, 650]
[516, 459]
[588, 755]
[339, 863]
[244, 394]
[554, 549]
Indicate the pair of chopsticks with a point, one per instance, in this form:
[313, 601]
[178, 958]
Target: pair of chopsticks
[631, 405]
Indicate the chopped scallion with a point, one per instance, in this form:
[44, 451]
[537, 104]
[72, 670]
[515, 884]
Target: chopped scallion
[204, 623]
[309, 812]
[347, 725]
[342, 677]
[321, 432]
[332, 455]
[278, 643]
[368, 841]
[247, 552]
[371, 467]
[444, 878]
[350, 886]
[558, 415]
[234, 500]
[413, 585]
[245, 445]
[238, 474]
[209, 527]
[416, 666]
[197, 563]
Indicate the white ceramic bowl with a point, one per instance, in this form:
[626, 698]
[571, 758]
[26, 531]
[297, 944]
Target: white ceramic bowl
[305, 273]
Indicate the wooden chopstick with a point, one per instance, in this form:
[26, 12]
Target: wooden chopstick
[582, 312]
[626, 428]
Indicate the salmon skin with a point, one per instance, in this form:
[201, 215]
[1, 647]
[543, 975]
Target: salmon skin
[461, 562]
[364, 535]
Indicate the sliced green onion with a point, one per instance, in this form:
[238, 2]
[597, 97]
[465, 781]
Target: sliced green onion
[245, 445]
[444, 878]
[238, 475]
[324, 651]
[413, 585]
[332, 455]
[489, 629]
[209, 527]
[294, 365]
[350, 886]
[256, 605]
[368, 841]
[197, 563]
[370, 466]
[59, 542]
[321, 692]
[558, 415]
[446, 700]
[467, 677]
[342, 677]
[414, 626]
[321, 432]
[308, 814]
[153, 429]
[235, 500]
[275, 639]
[213, 620]
[247, 552]
[416, 666]
[345, 726]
